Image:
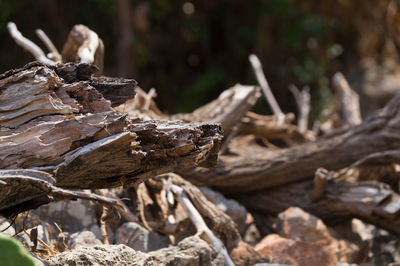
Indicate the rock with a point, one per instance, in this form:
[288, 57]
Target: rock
[365, 231]
[100, 255]
[83, 239]
[296, 224]
[42, 234]
[71, 216]
[190, 251]
[252, 235]
[271, 264]
[234, 209]
[294, 252]
[244, 254]
[139, 238]
[10, 231]
[386, 250]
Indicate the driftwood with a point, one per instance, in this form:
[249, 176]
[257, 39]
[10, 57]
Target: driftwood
[348, 101]
[303, 101]
[55, 119]
[264, 126]
[82, 46]
[249, 170]
[256, 64]
[344, 110]
[373, 201]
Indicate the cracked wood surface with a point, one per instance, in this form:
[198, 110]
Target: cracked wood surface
[60, 120]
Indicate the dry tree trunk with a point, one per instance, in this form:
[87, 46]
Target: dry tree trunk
[248, 170]
[372, 201]
[56, 119]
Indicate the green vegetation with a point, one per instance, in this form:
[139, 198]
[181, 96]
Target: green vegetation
[12, 253]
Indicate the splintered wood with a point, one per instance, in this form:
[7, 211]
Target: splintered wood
[57, 120]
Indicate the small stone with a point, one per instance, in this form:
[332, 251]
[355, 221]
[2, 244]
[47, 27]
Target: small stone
[191, 251]
[83, 239]
[294, 252]
[10, 229]
[42, 234]
[71, 216]
[139, 238]
[244, 254]
[296, 224]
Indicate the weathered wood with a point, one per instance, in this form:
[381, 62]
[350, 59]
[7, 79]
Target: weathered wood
[348, 101]
[371, 201]
[148, 148]
[218, 221]
[247, 170]
[303, 101]
[84, 46]
[25, 189]
[28, 45]
[55, 119]
[266, 126]
[227, 109]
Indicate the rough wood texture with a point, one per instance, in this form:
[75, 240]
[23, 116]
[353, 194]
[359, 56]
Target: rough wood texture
[372, 201]
[84, 46]
[25, 189]
[55, 119]
[227, 109]
[148, 149]
[348, 100]
[248, 170]
[266, 126]
[218, 221]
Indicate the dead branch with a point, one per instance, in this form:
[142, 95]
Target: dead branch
[84, 46]
[199, 223]
[248, 171]
[218, 221]
[27, 189]
[257, 67]
[228, 109]
[62, 124]
[264, 126]
[54, 54]
[303, 99]
[348, 99]
[27, 44]
[371, 201]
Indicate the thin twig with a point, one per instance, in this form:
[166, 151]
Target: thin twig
[27, 44]
[199, 223]
[255, 62]
[54, 54]
[303, 103]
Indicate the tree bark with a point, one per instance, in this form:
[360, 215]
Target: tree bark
[60, 120]
[249, 170]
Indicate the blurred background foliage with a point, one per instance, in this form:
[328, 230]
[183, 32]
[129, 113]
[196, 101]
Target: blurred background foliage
[190, 51]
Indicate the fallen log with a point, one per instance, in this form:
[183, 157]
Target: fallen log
[246, 170]
[372, 201]
[56, 119]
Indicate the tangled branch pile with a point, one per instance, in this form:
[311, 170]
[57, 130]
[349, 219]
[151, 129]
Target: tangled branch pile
[64, 129]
